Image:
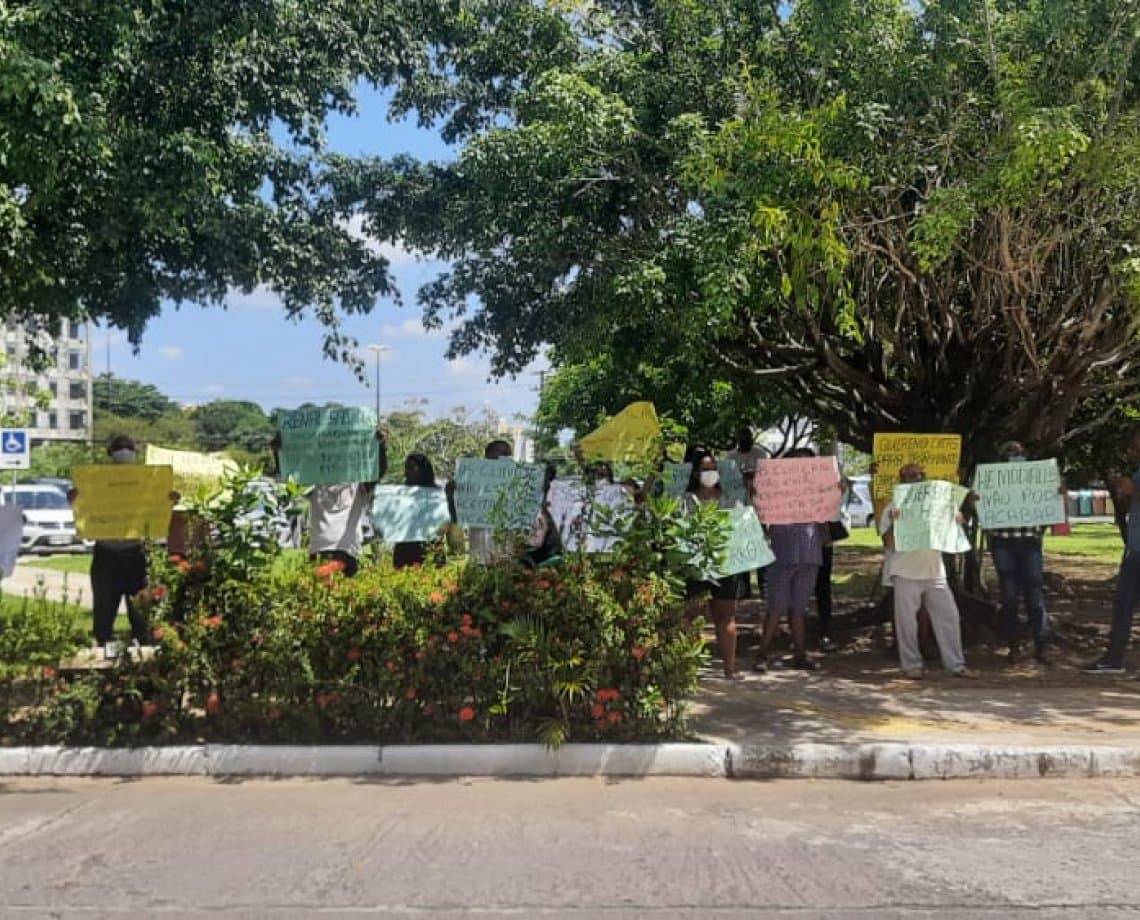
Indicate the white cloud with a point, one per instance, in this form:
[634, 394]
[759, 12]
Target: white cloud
[170, 352]
[411, 328]
[260, 298]
[395, 253]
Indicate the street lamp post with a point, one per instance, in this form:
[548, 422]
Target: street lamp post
[378, 350]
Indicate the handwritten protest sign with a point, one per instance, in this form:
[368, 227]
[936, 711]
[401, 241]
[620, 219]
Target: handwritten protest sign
[580, 513]
[748, 548]
[409, 514]
[799, 490]
[1024, 494]
[121, 501]
[731, 480]
[928, 517]
[192, 470]
[675, 478]
[939, 455]
[329, 446]
[498, 493]
[631, 436]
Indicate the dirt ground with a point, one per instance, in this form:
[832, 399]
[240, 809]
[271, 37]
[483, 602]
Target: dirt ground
[1078, 600]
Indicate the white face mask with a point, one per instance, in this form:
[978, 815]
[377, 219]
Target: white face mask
[710, 478]
[126, 455]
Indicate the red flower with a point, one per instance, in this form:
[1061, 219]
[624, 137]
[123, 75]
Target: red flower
[354, 654]
[542, 584]
[618, 574]
[639, 652]
[158, 592]
[453, 636]
[466, 714]
[410, 693]
[598, 711]
[607, 694]
[213, 703]
[466, 619]
[149, 709]
[158, 634]
[212, 622]
[49, 672]
[421, 655]
[436, 598]
[198, 567]
[392, 666]
[614, 718]
[183, 566]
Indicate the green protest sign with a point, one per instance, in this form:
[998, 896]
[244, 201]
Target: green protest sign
[498, 493]
[329, 446]
[928, 517]
[748, 547]
[675, 478]
[731, 480]
[408, 514]
[1022, 494]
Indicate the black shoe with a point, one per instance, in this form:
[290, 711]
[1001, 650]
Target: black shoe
[1105, 666]
[803, 663]
[826, 645]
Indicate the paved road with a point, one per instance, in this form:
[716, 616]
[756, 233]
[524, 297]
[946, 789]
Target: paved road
[568, 849]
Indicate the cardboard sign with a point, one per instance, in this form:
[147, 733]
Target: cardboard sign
[731, 480]
[1021, 494]
[122, 501]
[498, 493]
[329, 446]
[938, 454]
[578, 511]
[928, 517]
[631, 436]
[192, 470]
[409, 514]
[748, 547]
[800, 490]
[675, 478]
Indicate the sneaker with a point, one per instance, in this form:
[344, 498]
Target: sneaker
[964, 673]
[826, 645]
[1105, 666]
[912, 673]
[803, 663]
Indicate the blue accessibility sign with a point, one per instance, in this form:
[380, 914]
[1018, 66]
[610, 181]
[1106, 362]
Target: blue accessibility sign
[14, 454]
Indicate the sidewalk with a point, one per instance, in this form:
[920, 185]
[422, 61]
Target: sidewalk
[72, 587]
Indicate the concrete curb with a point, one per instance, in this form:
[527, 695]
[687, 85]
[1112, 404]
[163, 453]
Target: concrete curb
[697, 760]
[870, 761]
[894, 760]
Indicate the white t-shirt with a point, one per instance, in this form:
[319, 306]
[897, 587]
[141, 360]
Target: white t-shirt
[917, 564]
[747, 460]
[336, 517]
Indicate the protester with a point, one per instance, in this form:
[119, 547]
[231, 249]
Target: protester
[419, 472]
[1128, 578]
[746, 454]
[704, 489]
[918, 580]
[481, 543]
[544, 542]
[336, 516]
[1018, 560]
[836, 531]
[118, 569]
[790, 581]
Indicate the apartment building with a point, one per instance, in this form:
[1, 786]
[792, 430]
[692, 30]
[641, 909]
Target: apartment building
[66, 416]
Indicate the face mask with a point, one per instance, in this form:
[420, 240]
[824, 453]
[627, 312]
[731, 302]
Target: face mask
[126, 455]
[710, 478]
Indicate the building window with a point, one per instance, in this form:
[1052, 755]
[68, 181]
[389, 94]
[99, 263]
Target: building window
[78, 421]
[77, 390]
[53, 420]
[75, 361]
[74, 330]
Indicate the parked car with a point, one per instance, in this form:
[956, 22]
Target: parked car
[859, 504]
[49, 522]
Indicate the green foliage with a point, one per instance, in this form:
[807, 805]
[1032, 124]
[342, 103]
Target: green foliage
[132, 399]
[225, 422]
[35, 635]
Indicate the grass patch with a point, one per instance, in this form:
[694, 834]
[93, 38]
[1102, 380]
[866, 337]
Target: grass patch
[1097, 541]
[78, 563]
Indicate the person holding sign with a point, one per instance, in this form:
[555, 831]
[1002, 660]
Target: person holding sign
[1018, 561]
[918, 579]
[418, 472]
[792, 578]
[1128, 578]
[704, 489]
[118, 567]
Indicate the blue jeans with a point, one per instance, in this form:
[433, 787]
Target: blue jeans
[1020, 574]
[1127, 595]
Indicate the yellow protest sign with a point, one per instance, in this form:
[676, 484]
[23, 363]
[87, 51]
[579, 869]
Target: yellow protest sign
[938, 454]
[631, 436]
[120, 501]
[191, 469]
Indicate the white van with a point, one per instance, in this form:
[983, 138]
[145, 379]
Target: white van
[859, 505]
[49, 522]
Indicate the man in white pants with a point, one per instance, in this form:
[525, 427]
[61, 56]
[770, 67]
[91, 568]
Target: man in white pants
[919, 581]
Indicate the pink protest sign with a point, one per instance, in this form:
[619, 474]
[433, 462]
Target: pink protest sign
[797, 491]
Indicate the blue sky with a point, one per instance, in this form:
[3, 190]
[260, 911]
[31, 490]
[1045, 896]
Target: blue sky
[250, 351]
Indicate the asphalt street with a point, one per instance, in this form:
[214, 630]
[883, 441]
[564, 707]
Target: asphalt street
[572, 848]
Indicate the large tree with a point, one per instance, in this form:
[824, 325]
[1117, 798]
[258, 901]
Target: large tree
[174, 149]
[906, 216]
